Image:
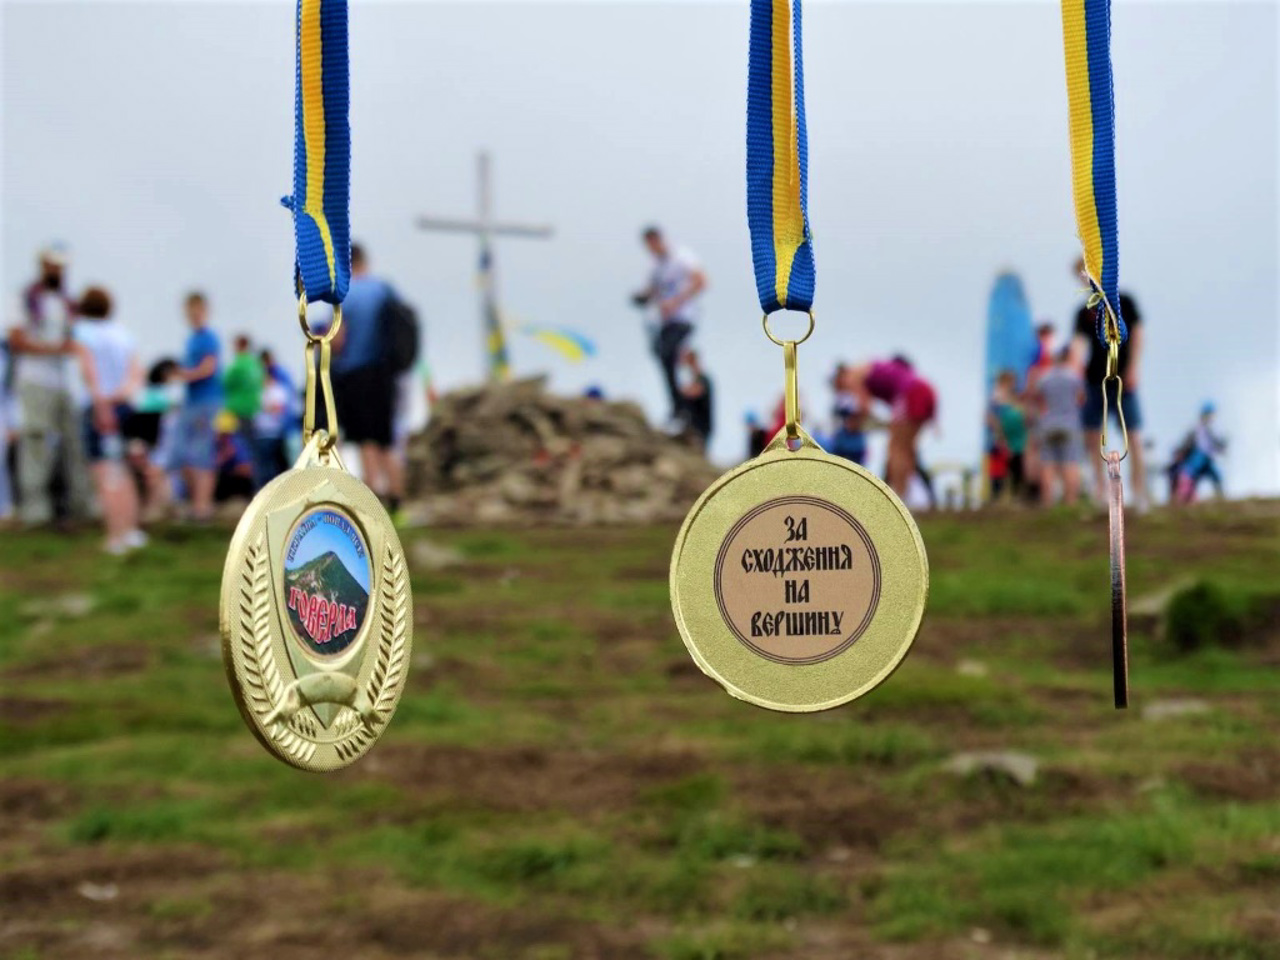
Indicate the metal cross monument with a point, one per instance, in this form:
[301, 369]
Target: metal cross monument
[485, 228]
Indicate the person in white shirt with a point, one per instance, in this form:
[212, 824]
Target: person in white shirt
[46, 381]
[675, 288]
[112, 375]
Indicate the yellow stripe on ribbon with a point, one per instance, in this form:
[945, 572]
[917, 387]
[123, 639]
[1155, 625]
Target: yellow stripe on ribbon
[1086, 36]
[788, 213]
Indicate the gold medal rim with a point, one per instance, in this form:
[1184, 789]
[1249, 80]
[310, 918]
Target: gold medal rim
[704, 649]
[381, 628]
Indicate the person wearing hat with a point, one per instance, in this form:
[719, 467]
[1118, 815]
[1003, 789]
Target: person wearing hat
[1200, 463]
[46, 381]
[234, 458]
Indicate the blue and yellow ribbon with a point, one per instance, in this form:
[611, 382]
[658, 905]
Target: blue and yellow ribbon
[1086, 33]
[778, 158]
[322, 151]
[570, 344]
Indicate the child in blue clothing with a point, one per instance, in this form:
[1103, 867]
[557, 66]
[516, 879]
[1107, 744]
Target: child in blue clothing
[1201, 463]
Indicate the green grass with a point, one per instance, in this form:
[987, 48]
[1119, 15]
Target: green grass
[557, 766]
[1028, 882]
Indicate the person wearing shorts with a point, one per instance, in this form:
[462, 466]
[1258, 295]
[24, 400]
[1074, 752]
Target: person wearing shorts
[1059, 393]
[150, 435]
[112, 374]
[195, 443]
[912, 403]
[1095, 366]
[364, 388]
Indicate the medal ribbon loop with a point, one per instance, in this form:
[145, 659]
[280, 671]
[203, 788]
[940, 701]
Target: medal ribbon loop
[322, 152]
[778, 159]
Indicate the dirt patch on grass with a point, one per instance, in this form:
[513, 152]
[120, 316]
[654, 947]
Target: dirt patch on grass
[54, 878]
[446, 926]
[463, 621]
[964, 804]
[524, 779]
[469, 675]
[182, 902]
[843, 942]
[656, 571]
[837, 808]
[33, 800]
[684, 674]
[824, 808]
[1253, 777]
[29, 711]
[97, 661]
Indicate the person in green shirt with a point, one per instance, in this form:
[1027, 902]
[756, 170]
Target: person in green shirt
[1007, 420]
[242, 381]
[242, 384]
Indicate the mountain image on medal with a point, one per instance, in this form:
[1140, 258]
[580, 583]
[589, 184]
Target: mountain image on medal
[326, 582]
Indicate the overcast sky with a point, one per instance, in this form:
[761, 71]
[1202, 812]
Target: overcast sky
[156, 138]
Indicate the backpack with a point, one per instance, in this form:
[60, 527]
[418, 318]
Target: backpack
[400, 335]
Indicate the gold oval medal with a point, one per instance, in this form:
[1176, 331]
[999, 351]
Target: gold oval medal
[316, 615]
[799, 579]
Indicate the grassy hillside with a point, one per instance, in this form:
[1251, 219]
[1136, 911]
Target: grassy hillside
[561, 782]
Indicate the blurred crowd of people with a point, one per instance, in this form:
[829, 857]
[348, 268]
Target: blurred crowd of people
[1045, 420]
[881, 394]
[674, 291]
[89, 430]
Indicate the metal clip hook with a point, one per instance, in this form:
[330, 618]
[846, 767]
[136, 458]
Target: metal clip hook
[791, 392]
[1113, 374]
[322, 343]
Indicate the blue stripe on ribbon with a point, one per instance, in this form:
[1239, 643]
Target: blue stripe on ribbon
[324, 268]
[761, 171]
[1102, 104]
[760, 153]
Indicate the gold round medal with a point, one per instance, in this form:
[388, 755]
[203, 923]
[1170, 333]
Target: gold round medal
[316, 615]
[798, 580]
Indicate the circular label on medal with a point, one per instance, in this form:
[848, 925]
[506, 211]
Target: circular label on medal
[316, 617]
[799, 580]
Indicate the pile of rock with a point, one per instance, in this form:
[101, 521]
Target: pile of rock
[514, 454]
